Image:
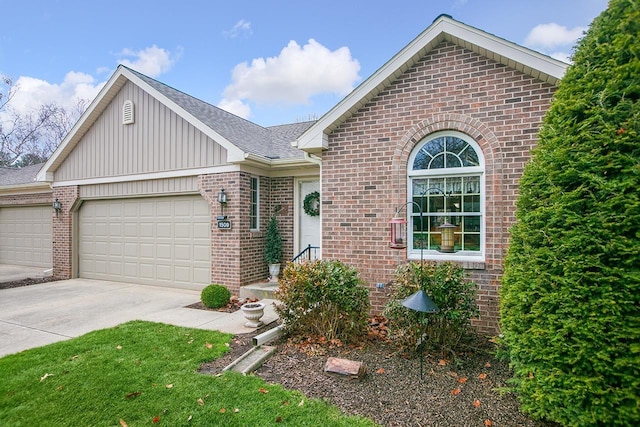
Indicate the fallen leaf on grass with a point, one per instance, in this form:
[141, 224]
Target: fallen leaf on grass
[462, 380]
[236, 410]
[133, 394]
[263, 390]
[208, 345]
[123, 423]
[476, 403]
[279, 419]
[222, 410]
[488, 423]
[200, 402]
[45, 376]
[118, 347]
[169, 386]
[482, 376]
[380, 371]
[453, 374]
[155, 420]
[442, 362]
[190, 418]
[60, 388]
[456, 391]
[487, 365]
[301, 403]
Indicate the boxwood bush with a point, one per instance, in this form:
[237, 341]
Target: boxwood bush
[570, 300]
[215, 296]
[324, 298]
[446, 285]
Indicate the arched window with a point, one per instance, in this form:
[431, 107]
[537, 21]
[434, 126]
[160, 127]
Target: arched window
[446, 179]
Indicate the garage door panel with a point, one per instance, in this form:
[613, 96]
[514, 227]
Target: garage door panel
[25, 236]
[157, 241]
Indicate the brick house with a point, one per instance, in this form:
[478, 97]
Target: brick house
[447, 123]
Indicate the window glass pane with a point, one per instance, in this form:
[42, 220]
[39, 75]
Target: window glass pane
[471, 204]
[437, 162]
[472, 185]
[421, 161]
[452, 161]
[456, 145]
[471, 223]
[471, 242]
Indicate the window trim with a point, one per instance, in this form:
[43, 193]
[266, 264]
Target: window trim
[468, 256]
[257, 203]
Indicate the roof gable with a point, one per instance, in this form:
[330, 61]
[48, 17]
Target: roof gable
[241, 138]
[443, 29]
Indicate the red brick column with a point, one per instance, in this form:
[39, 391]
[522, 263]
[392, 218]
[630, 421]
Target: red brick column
[63, 231]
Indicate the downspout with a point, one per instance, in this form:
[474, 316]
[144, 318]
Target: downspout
[313, 159]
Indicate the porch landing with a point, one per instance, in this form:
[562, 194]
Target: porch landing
[259, 290]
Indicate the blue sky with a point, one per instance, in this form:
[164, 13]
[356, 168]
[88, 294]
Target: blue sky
[272, 62]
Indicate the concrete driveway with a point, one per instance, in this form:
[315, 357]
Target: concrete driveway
[31, 316]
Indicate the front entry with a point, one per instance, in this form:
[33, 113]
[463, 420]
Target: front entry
[309, 226]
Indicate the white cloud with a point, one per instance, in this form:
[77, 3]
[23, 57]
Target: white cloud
[31, 93]
[235, 106]
[552, 35]
[241, 28]
[152, 61]
[293, 77]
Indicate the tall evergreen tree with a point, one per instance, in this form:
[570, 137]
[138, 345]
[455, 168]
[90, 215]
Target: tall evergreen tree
[570, 300]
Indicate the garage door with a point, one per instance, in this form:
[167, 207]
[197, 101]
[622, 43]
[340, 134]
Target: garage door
[154, 241]
[25, 236]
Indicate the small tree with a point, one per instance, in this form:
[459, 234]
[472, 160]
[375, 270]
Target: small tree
[570, 300]
[273, 248]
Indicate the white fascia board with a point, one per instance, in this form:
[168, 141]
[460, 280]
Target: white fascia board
[85, 121]
[149, 176]
[315, 138]
[30, 188]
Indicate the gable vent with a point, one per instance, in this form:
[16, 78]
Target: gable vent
[127, 112]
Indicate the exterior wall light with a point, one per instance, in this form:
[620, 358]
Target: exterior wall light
[222, 199]
[57, 206]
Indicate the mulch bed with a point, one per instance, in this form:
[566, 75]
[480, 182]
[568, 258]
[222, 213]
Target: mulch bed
[26, 282]
[469, 391]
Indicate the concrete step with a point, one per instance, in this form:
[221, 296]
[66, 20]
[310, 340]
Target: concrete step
[259, 290]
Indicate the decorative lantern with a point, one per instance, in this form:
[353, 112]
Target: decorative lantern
[398, 228]
[447, 244]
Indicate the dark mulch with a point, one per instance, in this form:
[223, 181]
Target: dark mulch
[26, 282]
[467, 392]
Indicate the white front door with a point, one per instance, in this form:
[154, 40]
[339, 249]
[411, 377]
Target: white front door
[309, 226]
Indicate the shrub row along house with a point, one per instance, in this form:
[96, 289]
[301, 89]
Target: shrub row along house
[447, 123]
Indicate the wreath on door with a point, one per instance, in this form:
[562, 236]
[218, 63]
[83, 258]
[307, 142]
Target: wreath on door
[312, 204]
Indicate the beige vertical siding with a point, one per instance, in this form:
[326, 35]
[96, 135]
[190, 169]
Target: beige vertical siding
[159, 140]
[181, 185]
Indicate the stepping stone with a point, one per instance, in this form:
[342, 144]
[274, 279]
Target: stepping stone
[345, 368]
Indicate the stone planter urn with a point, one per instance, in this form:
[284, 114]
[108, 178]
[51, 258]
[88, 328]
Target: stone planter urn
[253, 311]
[274, 272]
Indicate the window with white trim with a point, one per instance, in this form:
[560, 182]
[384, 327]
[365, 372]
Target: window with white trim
[446, 181]
[254, 205]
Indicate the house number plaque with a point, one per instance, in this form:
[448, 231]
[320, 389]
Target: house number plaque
[224, 224]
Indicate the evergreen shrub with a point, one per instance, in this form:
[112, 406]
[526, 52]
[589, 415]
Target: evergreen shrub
[453, 294]
[323, 298]
[570, 299]
[215, 296]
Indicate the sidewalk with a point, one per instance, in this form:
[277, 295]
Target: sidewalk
[36, 315]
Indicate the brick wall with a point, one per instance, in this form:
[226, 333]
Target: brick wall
[237, 255]
[62, 231]
[364, 168]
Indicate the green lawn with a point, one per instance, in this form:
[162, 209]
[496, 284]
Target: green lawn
[143, 373]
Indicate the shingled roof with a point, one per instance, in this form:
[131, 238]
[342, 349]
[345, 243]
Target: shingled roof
[270, 142]
[15, 176]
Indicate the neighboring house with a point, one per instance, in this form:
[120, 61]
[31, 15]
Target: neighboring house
[456, 111]
[25, 218]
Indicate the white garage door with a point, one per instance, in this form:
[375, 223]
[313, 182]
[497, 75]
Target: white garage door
[25, 236]
[154, 241]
